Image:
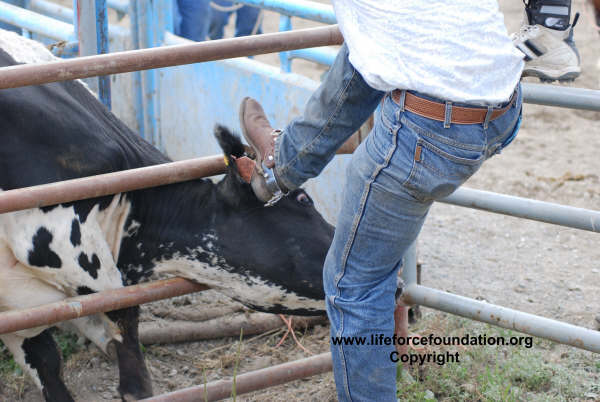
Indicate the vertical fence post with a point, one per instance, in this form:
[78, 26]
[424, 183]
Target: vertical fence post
[86, 34]
[409, 277]
[101, 48]
[10, 27]
[285, 24]
[162, 22]
[76, 17]
[146, 38]
[409, 266]
[26, 33]
[151, 29]
[137, 75]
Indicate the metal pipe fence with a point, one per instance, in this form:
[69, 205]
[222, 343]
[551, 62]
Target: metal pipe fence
[167, 56]
[253, 381]
[110, 183]
[542, 94]
[309, 10]
[117, 182]
[76, 307]
[51, 20]
[35, 22]
[577, 218]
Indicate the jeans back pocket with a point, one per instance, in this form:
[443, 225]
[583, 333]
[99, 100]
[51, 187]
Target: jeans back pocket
[440, 168]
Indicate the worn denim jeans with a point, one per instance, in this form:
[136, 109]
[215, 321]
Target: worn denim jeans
[245, 19]
[191, 19]
[406, 163]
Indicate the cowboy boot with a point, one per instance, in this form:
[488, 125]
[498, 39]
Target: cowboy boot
[261, 136]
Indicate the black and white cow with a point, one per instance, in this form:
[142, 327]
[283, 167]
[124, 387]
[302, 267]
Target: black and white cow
[269, 258]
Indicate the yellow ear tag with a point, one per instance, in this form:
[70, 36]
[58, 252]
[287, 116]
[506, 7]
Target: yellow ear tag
[226, 160]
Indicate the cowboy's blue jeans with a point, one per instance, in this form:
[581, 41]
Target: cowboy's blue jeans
[192, 19]
[245, 20]
[406, 163]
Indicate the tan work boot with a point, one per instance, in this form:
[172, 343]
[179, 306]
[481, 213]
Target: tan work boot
[261, 137]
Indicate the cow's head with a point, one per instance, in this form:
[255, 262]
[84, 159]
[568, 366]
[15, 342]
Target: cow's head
[281, 246]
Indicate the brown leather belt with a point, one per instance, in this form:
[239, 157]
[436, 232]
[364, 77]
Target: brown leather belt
[437, 110]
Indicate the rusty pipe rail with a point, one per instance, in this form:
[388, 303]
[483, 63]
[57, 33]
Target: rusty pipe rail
[166, 56]
[110, 183]
[49, 314]
[252, 381]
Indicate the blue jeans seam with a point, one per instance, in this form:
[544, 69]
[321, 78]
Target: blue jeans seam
[507, 132]
[450, 157]
[341, 98]
[426, 133]
[348, 247]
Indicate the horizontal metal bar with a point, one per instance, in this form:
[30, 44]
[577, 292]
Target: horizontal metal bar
[578, 218]
[110, 183]
[554, 95]
[53, 10]
[65, 14]
[252, 381]
[35, 22]
[324, 56]
[121, 6]
[166, 56]
[546, 328]
[75, 307]
[309, 10]
[70, 49]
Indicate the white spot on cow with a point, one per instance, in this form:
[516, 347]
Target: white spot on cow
[14, 343]
[112, 222]
[24, 50]
[23, 286]
[249, 289]
[132, 229]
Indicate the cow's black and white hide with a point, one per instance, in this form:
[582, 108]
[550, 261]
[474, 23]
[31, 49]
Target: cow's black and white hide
[269, 258]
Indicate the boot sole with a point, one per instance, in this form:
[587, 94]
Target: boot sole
[257, 182]
[258, 156]
[567, 77]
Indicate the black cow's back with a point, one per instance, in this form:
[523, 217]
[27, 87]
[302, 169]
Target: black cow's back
[61, 131]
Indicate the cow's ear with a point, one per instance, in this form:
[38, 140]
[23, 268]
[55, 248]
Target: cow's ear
[233, 189]
[229, 142]
[232, 149]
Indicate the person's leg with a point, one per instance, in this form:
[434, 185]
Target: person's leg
[596, 9]
[405, 163]
[546, 40]
[195, 17]
[246, 21]
[553, 14]
[374, 228]
[219, 19]
[337, 109]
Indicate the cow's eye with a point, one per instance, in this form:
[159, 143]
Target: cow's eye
[304, 199]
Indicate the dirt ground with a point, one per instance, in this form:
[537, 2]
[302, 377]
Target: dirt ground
[538, 268]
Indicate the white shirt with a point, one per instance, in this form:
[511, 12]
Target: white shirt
[457, 50]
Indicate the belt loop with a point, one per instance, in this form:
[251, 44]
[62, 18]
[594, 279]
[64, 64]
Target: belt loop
[448, 115]
[402, 100]
[488, 117]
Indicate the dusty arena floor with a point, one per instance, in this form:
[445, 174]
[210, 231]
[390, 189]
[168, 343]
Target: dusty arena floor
[538, 268]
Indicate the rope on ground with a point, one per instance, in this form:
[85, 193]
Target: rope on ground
[291, 330]
[225, 9]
